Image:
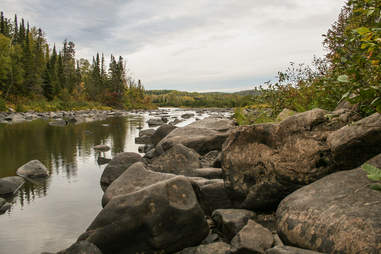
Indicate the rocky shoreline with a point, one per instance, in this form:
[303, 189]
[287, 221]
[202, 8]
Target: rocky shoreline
[295, 186]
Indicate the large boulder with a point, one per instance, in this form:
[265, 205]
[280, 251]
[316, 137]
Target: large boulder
[212, 123]
[353, 144]
[230, 221]
[263, 163]
[81, 247]
[10, 184]
[339, 213]
[164, 217]
[117, 166]
[212, 195]
[202, 140]
[135, 178]
[32, 169]
[253, 238]
[161, 133]
[215, 248]
[178, 160]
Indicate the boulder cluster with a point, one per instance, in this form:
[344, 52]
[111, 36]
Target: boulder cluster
[294, 186]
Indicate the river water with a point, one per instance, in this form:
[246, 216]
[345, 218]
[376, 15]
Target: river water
[49, 215]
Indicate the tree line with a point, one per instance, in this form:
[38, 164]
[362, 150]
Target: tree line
[30, 70]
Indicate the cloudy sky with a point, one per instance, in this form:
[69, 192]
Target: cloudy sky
[195, 45]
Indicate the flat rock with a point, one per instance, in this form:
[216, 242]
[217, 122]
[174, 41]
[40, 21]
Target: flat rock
[10, 184]
[217, 124]
[230, 221]
[339, 213]
[32, 169]
[162, 218]
[135, 178]
[215, 248]
[117, 166]
[202, 140]
[253, 238]
[179, 160]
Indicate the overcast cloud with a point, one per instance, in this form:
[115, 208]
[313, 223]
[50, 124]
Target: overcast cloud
[198, 45]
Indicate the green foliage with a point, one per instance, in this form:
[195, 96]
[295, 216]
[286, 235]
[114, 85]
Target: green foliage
[374, 174]
[3, 106]
[30, 71]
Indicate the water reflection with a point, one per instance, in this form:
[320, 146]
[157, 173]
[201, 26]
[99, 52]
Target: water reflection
[60, 148]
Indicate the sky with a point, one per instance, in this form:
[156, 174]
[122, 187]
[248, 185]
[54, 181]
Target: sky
[195, 45]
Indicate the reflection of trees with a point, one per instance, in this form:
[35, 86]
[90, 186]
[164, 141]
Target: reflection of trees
[57, 147]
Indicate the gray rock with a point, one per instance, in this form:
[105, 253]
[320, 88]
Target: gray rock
[209, 160]
[164, 217]
[202, 140]
[230, 221]
[215, 248]
[213, 195]
[263, 163]
[102, 148]
[103, 160]
[117, 166]
[146, 148]
[32, 169]
[289, 250]
[81, 247]
[339, 213]
[135, 178]
[187, 115]
[155, 122]
[10, 184]
[179, 160]
[145, 136]
[353, 144]
[253, 238]
[217, 124]
[15, 118]
[161, 133]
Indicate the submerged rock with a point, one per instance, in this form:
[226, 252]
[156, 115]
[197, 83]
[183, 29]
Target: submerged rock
[32, 169]
[339, 213]
[164, 217]
[10, 184]
[117, 166]
[102, 148]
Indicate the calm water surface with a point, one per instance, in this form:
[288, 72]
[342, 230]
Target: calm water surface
[49, 215]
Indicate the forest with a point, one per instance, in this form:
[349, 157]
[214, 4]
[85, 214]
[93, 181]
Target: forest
[35, 76]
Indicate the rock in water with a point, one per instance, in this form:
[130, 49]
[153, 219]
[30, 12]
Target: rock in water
[135, 178]
[4, 205]
[10, 184]
[253, 238]
[202, 140]
[33, 169]
[339, 213]
[164, 217]
[179, 160]
[155, 122]
[161, 133]
[117, 166]
[230, 221]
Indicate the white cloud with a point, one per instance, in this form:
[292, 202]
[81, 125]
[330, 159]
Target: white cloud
[190, 45]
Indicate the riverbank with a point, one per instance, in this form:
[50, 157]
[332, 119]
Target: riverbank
[213, 187]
